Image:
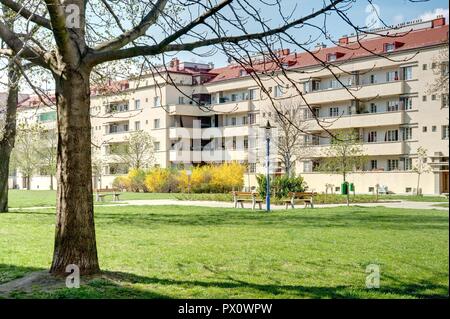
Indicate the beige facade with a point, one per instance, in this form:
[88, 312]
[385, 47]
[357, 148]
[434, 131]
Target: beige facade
[388, 101]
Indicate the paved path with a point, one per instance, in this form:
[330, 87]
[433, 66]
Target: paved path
[165, 202]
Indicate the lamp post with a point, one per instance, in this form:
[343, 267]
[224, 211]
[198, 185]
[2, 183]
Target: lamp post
[189, 173]
[267, 131]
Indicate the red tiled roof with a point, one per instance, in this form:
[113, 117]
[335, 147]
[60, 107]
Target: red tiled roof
[413, 40]
[36, 101]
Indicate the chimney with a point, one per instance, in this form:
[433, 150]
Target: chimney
[320, 45]
[175, 64]
[438, 22]
[343, 40]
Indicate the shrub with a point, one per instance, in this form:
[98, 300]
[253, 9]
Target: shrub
[280, 186]
[121, 182]
[136, 180]
[161, 180]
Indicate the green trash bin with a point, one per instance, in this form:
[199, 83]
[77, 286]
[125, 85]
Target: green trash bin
[352, 187]
[344, 188]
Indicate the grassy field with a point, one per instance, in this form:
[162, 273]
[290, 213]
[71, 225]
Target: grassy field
[21, 198]
[180, 252]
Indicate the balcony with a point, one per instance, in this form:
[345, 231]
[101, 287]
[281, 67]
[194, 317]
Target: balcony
[358, 120]
[189, 110]
[228, 107]
[360, 92]
[218, 155]
[370, 149]
[242, 130]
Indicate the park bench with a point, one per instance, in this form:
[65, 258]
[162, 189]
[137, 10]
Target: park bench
[299, 198]
[101, 193]
[251, 197]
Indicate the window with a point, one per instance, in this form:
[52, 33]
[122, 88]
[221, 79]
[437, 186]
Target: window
[445, 132]
[334, 111]
[137, 104]
[181, 100]
[307, 167]
[157, 146]
[252, 167]
[433, 128]
[406, 103]
[407, 133]
[278, 91]
[156, 101]
[392, 76]
[373, 79]
[234, 97]
[433, 65]
[389, 47]
[372, 137]
[234, 143]
[315, 85]
[233, 121]
[243, 72]
[373, 108]
[156, 123]
[334, 84]
[137, 126]
[424, 67]
[424, 98]
[331, 57]
[407, 73]
[444, 98]
[392, 165]
[433, 97]
[252, 118]
[245, 143]
[373, 164]
[408, 164]
[244, 120]
[391, 136]
[424, 129]
[252, 94]
[392, 106]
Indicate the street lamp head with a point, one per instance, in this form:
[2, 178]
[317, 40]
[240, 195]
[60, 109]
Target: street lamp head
[267, 129]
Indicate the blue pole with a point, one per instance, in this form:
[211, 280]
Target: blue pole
[268, 176]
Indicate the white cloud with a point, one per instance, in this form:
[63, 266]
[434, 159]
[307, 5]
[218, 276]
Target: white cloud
[429, 15]
[398, 19]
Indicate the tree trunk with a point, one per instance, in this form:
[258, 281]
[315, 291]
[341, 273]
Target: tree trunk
[51, 181]
[9, 136]
[75, 230]
[418, 184]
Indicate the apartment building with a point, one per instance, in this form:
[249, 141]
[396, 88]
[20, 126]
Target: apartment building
[199, 114]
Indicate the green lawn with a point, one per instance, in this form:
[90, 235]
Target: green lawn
[23, 198]
[196, 252]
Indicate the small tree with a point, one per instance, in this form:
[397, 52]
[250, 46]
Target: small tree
[139, 150]
[344, 155]
[46, 150]
[421, 166]
[290, 128]
[25, 156]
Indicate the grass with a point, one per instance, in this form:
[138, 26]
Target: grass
[441, 205]
[201, 252]
[41, 198]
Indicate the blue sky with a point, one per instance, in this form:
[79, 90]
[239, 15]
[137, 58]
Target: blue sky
[391, 12]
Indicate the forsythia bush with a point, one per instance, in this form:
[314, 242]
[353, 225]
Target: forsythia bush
[204, 179]
[161, 180]
[134, 181]
[121, 182]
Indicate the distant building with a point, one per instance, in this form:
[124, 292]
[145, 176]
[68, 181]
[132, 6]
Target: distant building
[390, 108]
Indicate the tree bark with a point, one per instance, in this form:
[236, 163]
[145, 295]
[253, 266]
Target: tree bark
[9, 136]
[75, 241]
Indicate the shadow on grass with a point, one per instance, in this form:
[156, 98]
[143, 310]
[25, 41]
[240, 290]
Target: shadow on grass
[121, 285]
[357, 217]
[396, 219]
